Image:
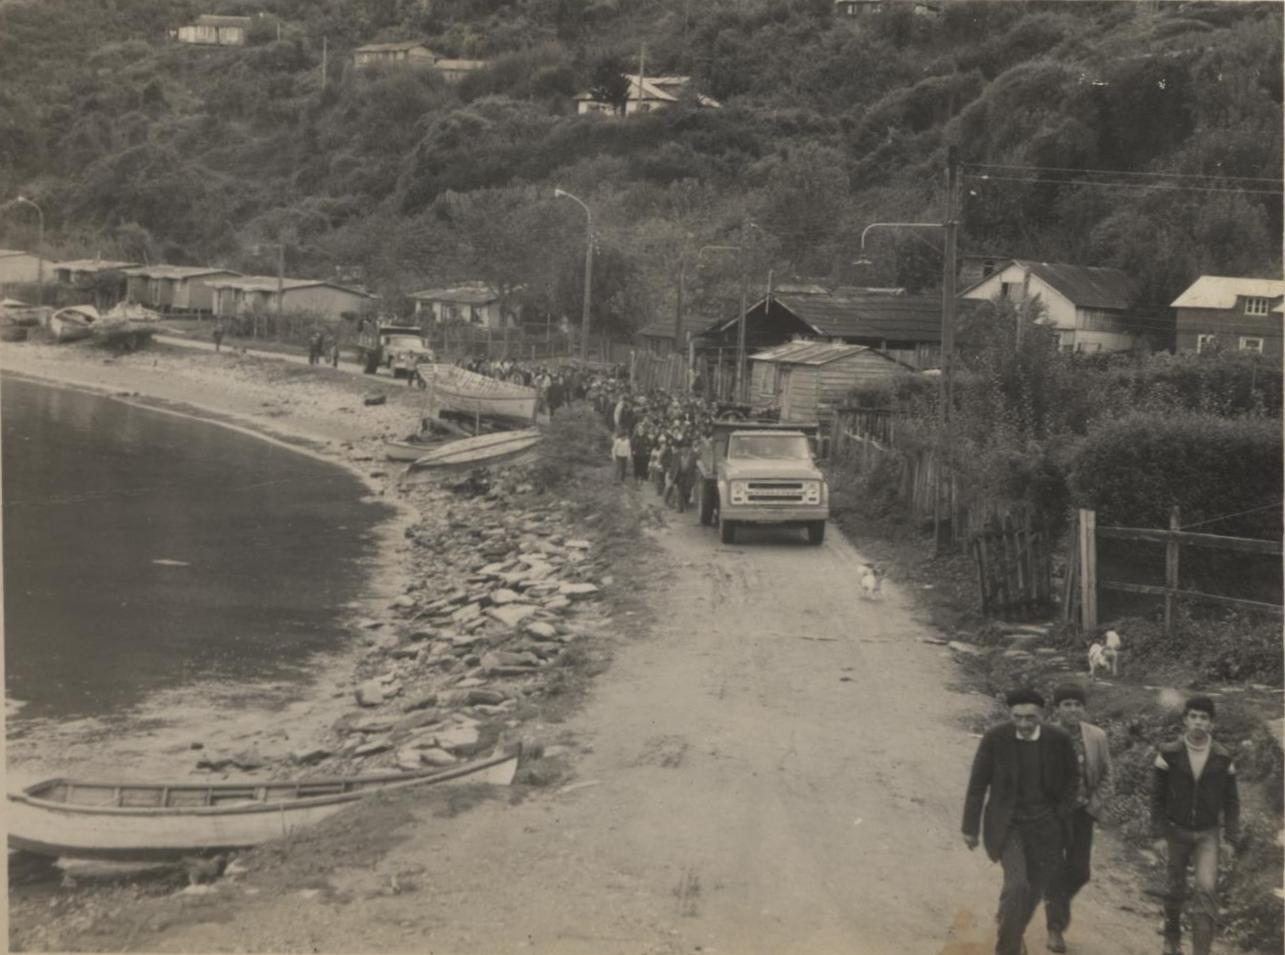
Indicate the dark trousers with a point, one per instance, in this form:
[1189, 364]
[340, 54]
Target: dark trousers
[641, 460]
[1072, 875]
[622, 465]
[1197, 849]
[1032, 853]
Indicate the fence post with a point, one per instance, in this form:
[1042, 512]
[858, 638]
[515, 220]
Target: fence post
[1171, 570]
[1088, 569]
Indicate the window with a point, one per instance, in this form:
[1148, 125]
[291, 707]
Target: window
[1008, 291]
[1251, 344]
[1257, 306]
[1205, 342]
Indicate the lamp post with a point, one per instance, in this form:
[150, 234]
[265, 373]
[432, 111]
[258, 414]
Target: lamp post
[588, 273]
[40, 244]
[950, 230]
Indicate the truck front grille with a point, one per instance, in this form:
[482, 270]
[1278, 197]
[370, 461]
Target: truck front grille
[775, 492]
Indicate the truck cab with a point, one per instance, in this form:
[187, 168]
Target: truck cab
[399, 348]
[756, 473]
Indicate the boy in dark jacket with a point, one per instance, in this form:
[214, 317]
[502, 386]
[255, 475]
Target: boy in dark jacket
[1194, 790]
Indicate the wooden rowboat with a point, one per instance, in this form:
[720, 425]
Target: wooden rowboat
[108, 820]
[502, 447]
[458, 389]
[405, 451]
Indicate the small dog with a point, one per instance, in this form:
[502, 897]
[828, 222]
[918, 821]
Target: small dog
[871, 582]
[1105, 656]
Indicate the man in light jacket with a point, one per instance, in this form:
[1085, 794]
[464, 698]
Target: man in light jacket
[1092, 789]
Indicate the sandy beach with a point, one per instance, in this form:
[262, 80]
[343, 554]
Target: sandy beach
[317, 411]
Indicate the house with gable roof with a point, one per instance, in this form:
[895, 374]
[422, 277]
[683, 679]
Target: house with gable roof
[389, 54]
[473, 302]
[646, 94]
[174, 287]
[214, 30]
[1244, 314]
[1091, 309]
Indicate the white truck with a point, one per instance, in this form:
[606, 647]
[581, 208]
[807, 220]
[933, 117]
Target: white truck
[760, 473]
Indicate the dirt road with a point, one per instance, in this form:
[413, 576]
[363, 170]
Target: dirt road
[776, 766]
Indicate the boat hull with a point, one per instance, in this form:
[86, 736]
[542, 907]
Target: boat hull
[405, 451]
[53, 829]
[502, 447]
[463, 391]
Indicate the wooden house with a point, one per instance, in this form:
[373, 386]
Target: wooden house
[657, 338]
[99, 281]
[246, 294]
[1243, 314]
[18, 268]
[474, 302]
[212, 30]
[393, 54]
[646, 94]
[182, 288]
[1090, 309]
[455, 70]
[806, 380]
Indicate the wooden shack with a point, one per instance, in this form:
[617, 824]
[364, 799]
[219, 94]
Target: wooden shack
[806, 380]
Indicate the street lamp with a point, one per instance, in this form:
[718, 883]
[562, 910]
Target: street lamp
[588, 272]
[40, 244]
[949, 229]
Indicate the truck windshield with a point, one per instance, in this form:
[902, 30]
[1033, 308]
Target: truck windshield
[769, 447]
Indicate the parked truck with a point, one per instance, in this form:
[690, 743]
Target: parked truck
[762, 473]
[399, 348]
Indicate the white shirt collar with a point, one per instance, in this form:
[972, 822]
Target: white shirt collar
[1033, 737]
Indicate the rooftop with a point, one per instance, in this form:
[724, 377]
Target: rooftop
[1221, 291]
[810, 353]
[216, 20]
[268, 283]
[472, 294]
[1087, 286]
[92, 265]
[398, 46]
[177, 271]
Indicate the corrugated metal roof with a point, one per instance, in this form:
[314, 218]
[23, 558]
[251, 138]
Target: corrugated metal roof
[92, 265]
[394, 47]
[268, 283]
[461, 65]
[808, 353]
[176, 271]
[217, 20]
[1221, 291]
[899, 318]
[458, 295]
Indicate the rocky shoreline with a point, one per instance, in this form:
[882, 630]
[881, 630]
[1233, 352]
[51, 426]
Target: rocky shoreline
[476, 598]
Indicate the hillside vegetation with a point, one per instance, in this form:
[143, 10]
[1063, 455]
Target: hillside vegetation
[139, 146]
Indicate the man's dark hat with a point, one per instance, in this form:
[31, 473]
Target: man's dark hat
[1069, 691]
[1025, 694]
[1202, 703]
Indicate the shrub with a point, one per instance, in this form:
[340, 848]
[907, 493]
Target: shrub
[576, 438]
[1133, 471]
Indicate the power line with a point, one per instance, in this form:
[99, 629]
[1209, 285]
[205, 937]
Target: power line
[1123, 172]
[1126, 185]
[1227, 517]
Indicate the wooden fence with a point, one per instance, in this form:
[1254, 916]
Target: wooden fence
[1014, 566]
[648, 370]
[1082, 569]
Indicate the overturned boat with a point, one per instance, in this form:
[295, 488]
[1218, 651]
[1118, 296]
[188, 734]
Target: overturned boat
[486, 450]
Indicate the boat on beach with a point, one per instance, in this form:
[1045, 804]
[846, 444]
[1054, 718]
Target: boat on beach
[500, 447]
[122, 820]
[458, 389]
[406, 451]
[73, 323]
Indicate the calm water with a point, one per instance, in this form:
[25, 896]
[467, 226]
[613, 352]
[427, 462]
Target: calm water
[145, 552]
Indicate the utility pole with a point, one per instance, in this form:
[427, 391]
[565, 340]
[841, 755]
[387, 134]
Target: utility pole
[742, 391]
[281, 280]
[950, 230]
[323, 63]
[678, 310]
[588, 272]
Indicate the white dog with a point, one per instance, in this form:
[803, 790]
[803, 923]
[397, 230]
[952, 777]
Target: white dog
[871, 582]
[1106, 657]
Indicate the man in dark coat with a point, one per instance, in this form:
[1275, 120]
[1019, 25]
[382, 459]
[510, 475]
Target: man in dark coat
[1026, 775]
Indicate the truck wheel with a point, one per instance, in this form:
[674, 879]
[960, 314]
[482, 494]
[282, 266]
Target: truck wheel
[816, 532]
[706, 505]
[727, 531]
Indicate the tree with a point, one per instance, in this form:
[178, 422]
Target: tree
[608, 83]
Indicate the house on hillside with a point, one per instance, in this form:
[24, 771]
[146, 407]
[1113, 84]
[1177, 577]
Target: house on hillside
[1090, 309]
[248, 294]
[18, 267]
[215, 30]
[646, 94]
[180, 288]
[806, 380]
[1239, 313]
[474, 302]
[455, 70]
[862, 8]
[389, 54]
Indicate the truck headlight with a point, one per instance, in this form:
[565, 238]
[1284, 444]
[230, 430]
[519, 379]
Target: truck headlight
[811, 492]
[739, 492]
